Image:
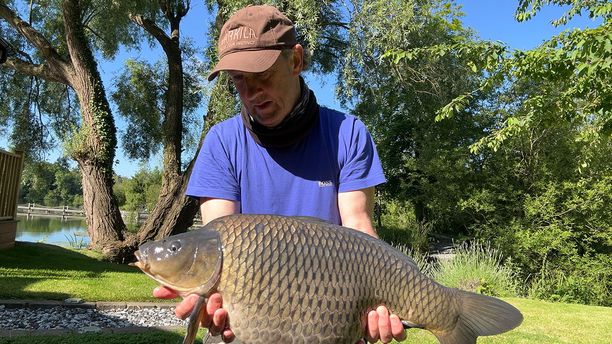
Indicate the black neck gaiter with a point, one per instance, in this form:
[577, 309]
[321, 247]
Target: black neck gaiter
[293, 128]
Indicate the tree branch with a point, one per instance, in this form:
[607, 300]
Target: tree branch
[335, 23]
[154, 30]
[42, 71]
[33, 36]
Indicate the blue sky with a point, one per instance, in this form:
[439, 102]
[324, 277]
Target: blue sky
[490, 19]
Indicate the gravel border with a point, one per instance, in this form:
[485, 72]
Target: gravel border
[45, 317]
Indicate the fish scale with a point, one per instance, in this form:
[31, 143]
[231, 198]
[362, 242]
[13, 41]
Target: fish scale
[302, 280]
[273, 258]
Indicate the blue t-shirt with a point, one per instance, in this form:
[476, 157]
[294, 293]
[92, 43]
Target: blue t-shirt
[338, 155]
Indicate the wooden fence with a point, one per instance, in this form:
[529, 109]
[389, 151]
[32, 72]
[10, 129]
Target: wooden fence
[11, 165]
[35, 209]
[32, 209]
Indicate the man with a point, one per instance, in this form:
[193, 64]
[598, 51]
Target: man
[283, 154]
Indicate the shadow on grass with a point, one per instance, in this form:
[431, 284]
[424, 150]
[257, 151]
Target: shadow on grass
[28, 263]
[153, 336]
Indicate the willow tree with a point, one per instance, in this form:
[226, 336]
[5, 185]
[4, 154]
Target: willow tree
[159, 101]
[58, 43]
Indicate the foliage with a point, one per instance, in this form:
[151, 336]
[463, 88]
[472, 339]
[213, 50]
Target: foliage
[589, 283]
[142, 190]
[51, 184]
[479, 268]
[540, 174]
[426, 163]
[76, 241]
[140, 94]
[400, 227]
[571, 73]
[45, 106]
[423, 261]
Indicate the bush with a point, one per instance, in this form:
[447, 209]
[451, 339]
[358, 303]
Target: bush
[423, 261]
[590, 282]
[479, 268]
[400, 227]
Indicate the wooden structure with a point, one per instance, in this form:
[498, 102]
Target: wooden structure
[11, 165]
[32, 209]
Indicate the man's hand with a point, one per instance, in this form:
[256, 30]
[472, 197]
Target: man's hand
[214, 318]
[384, 327]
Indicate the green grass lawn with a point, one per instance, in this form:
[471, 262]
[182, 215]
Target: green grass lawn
[546, 322]
[149, 337]
[39, 271]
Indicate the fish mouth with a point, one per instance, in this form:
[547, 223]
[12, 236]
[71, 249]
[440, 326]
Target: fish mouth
[141, 261]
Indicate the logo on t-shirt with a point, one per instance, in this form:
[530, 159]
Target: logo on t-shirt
[325, 183]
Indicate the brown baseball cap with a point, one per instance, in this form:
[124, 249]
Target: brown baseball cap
[252, 39]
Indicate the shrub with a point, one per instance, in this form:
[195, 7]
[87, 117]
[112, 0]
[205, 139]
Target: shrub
[400, 227]
[589, 282]
[423, 261]
[479, 268]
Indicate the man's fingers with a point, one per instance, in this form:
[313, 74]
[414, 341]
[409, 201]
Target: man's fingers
[384, 324]
[162, 292]
[372, 331]
[219, 318]
[184, 308]
[227, 336]
[216, 316]
[397, 328]
[215, 301]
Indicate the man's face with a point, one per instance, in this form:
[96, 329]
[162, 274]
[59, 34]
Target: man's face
[270, 95]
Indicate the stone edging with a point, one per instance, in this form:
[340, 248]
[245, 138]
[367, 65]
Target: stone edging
[96, 305]
[103, 305]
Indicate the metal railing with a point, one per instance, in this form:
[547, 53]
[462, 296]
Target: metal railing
[11, 165]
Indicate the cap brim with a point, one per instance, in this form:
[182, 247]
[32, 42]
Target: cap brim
[255, 61]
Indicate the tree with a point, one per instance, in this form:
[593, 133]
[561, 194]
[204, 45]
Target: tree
[57, 47]
[62, 38]
[544, 155]
[426, 163]
[51, 184]
[157, 101]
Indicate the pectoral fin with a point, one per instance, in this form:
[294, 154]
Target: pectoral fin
[194, 321]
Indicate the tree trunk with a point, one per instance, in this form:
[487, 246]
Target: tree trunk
[94, 146]
[173, 212]
[104, 222]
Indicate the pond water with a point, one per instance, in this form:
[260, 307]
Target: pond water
[52, 230]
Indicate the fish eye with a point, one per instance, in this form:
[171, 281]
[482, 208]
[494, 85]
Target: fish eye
[175, 246]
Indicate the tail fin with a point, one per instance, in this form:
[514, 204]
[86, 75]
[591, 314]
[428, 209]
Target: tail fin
[480, 315]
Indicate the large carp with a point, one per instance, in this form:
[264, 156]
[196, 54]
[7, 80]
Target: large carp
[302, 280]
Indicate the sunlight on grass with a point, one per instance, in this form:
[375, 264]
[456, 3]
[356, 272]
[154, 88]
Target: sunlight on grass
[546, 322]
[40, 271]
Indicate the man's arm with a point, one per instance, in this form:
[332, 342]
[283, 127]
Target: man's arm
[212, 208]
[356, 209]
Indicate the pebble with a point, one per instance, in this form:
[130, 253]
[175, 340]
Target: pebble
[85, 319]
